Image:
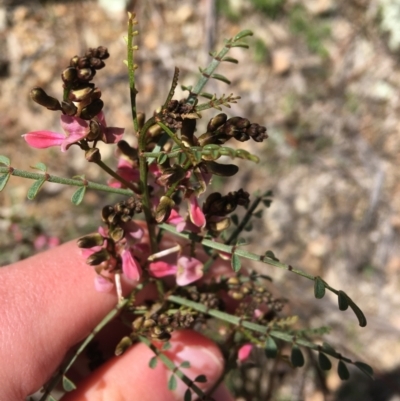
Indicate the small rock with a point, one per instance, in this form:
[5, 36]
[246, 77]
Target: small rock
[282, 60]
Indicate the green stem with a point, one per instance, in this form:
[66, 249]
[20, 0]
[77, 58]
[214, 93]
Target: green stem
[131, 70]
[232, 249]
[172, 367]
[113, 174]
[110, 316]
[237, 321]
[172, 135]
[64, 181]
[143, 171]
[207, 72]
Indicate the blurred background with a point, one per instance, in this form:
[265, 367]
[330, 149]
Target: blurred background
[322, 75]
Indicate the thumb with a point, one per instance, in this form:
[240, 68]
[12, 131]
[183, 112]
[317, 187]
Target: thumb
[129, 377]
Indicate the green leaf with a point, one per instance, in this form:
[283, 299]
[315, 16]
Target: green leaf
[258, 214]
[328, 348]
[5, 160]
[201, 379]
[248, 227]
[296, 357]
[271, 255]
[243, 34]
[186, 88]
[271, 349]
[241, 241]
[185, 365]
[365, 368]
[3, 180]
[240, 44]
[166, 346]
[343, 300]
[319, 287]
[220, 77]
[172, 383]
[162, 158]
[34, 189]
[362, 321]
[235, 219]
[230, 60]
[324, 362]
[51, 398]
[78, 195]
[206, 95]
[153, 362]
[235, 263]
[68, 385]
[188, 395]
[343, 372]
[40, 166]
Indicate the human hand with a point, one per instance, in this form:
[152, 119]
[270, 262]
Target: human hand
[49, 304]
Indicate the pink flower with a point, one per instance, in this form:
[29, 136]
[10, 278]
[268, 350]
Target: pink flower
[126, 171]
[76, 129]
[177, 220]
[187, 270]
[130, 266]
[244, 352]
[195, 213]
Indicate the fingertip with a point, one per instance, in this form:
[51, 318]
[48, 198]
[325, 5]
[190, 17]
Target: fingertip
[129, 377]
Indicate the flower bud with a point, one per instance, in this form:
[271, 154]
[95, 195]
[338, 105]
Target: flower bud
[69, 75]
[94, 131]
[116, 233]
[81, 92]
[96, 63]
[137, 323]
[216, 122]
[91, 240]
[92, 109]
[98, 257]
[218, 226]
[123, 345]
[93, 155]
[223, 170]
[68, 108]
[164, 209]
[39, 96]
[86, 74]
[106, 212]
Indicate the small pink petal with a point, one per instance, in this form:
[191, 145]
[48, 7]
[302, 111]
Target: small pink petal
[74, 125]
[244, 352]
[130, 266]
[189, 270]
[132, 231]
[43, 139]
[196, 214]
[40, 242]
[101, 284]
[162, 269]
[112, 134]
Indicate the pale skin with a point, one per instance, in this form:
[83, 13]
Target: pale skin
[49, 304]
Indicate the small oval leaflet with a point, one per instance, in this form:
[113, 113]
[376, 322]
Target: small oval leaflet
[243, 34]
[365, 368]
[271, 349]
[40, 166]
[343, 372]
[172, 383]
[324, 362]
[188, 395]
[34, 189]
[68, 385]
[3, 180]
[78, 195]
[296, 357]
[235, 263]
[5, 160]
[319, 288]
[200, 379]
[343, 300]
[153, 362]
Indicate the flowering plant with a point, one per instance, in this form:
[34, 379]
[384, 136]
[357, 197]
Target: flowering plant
[188, 245]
